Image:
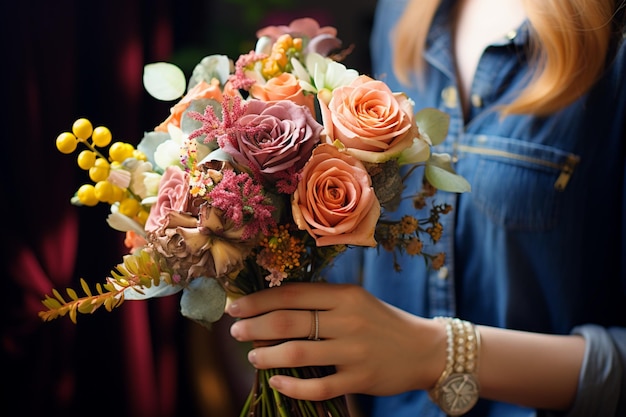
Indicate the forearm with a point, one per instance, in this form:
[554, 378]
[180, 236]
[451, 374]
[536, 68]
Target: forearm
[530, 369]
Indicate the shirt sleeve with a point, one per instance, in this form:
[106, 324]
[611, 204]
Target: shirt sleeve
[602, 381]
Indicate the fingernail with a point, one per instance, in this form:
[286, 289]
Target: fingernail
[235, 331]
[275, 383]
[252, 357]
[233, 309]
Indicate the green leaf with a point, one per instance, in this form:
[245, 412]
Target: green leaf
[441, 175]
[203, 300]
[164, 81]
[433, 123]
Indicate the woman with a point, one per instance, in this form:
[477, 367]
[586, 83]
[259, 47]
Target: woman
[536, 252]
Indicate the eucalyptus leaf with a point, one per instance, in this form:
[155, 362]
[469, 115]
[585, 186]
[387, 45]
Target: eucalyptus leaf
[164, 81]
[440, 173]
[203, 301]
[433, 124]
[212, 66]
[150, 142]
[187, 124]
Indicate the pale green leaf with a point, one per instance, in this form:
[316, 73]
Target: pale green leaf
[203, 300]
[164, 81]
[433, 124]
[441, 175]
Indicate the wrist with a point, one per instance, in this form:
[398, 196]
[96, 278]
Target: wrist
[456, 389]
[440, 357]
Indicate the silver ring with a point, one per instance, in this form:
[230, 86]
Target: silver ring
[314, 334]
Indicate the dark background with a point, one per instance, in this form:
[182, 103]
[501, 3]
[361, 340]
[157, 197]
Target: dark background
[67, 59]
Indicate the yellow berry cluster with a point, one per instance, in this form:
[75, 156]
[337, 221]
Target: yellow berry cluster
[100, 167]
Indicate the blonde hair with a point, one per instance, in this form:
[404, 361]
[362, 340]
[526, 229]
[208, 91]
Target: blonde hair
[570, 40]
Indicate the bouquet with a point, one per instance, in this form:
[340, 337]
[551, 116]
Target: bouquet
[264, 171]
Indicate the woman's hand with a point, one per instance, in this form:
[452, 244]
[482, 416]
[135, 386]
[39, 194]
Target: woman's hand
[376, 348]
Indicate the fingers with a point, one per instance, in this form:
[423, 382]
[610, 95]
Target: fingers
[298, 353]
[313, 389]
[290, 296]
[292, 324]
[276, 325]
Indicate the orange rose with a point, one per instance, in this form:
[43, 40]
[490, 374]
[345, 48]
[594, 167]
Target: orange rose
[200, 90]
[283, 87]
[335, 201]
[371, 122]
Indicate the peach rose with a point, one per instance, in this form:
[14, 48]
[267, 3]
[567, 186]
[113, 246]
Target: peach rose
[335, 201]
[283, 87]
[200, 90]
[371, 122]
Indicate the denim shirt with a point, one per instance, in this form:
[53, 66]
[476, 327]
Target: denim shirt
[539, 242]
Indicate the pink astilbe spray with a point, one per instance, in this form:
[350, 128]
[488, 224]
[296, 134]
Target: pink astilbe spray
[239, 80]
[243, 201]
[287, 181]
[233, 107]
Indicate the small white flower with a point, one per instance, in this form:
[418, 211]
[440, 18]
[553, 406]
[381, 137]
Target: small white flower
[167, 154]
[324, 73]
[151, 182]
[263, 45]
[122, 223]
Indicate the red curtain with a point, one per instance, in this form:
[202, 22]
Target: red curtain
[63, 60]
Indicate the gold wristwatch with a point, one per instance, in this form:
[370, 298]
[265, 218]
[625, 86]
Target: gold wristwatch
[457, 389]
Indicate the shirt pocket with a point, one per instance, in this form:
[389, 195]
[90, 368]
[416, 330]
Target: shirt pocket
[517, 184]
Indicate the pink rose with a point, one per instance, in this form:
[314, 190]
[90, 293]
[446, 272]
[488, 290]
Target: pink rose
[372, 123]
[283, 87]
[273, 138]
[335, 201]
[173, 196]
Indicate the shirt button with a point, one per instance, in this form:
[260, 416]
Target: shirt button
[450, 97]
[477, 101]
[511, 34]
[443, 272]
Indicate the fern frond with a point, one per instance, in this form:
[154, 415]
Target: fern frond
[137, 272]
[73, 295]
[86, 289]
[58, 307]
[58, 296]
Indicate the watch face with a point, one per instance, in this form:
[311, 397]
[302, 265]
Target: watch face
[458, 394]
